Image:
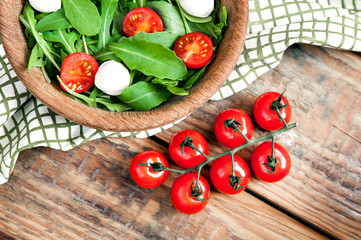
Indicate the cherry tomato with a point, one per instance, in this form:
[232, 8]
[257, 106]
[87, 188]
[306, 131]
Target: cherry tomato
[259, 159]
[195, 49]
[228, 136]
[221, 174]
[142, 20]
[188, 157]
[267, 118]
[78, 72]
[181, 193]
[144, 176]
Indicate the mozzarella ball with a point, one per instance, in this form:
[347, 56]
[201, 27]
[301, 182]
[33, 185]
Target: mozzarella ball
[112, 78]
[198, 8]
[46, 6]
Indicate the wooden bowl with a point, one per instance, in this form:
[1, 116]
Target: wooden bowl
[228, 52]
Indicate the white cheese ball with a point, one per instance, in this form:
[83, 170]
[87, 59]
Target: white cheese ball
[46, 6]
[112, 78]
[198, 8]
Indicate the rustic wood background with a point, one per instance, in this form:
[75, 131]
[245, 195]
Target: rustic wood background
[87, 192]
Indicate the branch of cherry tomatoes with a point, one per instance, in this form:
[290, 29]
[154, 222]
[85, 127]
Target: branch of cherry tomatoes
[229, 173]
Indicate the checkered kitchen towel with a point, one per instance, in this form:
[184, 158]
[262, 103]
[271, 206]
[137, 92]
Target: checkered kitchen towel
[274, 25]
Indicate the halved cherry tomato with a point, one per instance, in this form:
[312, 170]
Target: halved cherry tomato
[78, 72]
[267, 118]
[195, 49]
[226, 125]
[222, 178]
[260, 158]
[185, 156]
[144, 176]
[181, 193]
[142, 20]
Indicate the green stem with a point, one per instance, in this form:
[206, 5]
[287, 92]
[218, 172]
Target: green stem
[186, 26]
[85, 45]
[273, 147]
[236, 149]
[232, 157]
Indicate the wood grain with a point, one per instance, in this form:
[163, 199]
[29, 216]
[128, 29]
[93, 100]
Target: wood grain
[87, 193]
[226, 58]
[323, 86]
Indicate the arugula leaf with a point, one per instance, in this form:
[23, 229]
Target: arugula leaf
[108, 8]
[164, 82]
[83, 15]
[144, 96]
[177, 91]
[149, 58]
[107, 102]
[105, 54]
[53, 21]
[191, 81]
[61, 36]
[28, 19]
[165, 38]
[170, 15]
[193, 18]
[36, 58]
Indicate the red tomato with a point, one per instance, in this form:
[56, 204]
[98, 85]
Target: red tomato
[230, 137]
[221, 174]
[259, 159]
[142, 20]
[78, 72]
[189, 157]
[181, 193]
[195, 49]
[267, 118]
[144, 176]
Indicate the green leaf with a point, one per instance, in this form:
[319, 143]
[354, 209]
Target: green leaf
[193, 18]
[107, 102]
[61, 36]
[53, 21]
[144, 96]
[191, 81]
[83, 15]
[177, 91]
[149, 58]
[164, 82]
[36, 58]
[108, 8]
[165, 38]
[105, 54]
[170, 15]
[29, 21]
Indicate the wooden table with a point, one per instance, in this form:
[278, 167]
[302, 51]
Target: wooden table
[87, 192]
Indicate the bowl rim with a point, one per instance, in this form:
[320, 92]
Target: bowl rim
[174, 109]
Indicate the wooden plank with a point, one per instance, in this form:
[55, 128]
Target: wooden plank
[323, 86]
[87, 193]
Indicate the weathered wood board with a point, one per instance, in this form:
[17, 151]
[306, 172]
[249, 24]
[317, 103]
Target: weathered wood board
[87, 192]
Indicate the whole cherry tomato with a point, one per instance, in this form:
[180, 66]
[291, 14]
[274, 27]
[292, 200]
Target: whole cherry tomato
[195, 49]
[185, 197]
[228, 125]
[144, 176]
[78, 72]
[265, 168]
[264, 113]
[142, 20]
[222, 178]
[182, 154]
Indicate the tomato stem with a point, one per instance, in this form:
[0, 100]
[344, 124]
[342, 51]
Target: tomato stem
[236, 149]
[233, 124]
[276, 106]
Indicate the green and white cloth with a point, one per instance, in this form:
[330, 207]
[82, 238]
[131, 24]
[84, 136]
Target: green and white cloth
[274, 25]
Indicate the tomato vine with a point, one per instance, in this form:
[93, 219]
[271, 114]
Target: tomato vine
[229, 173]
